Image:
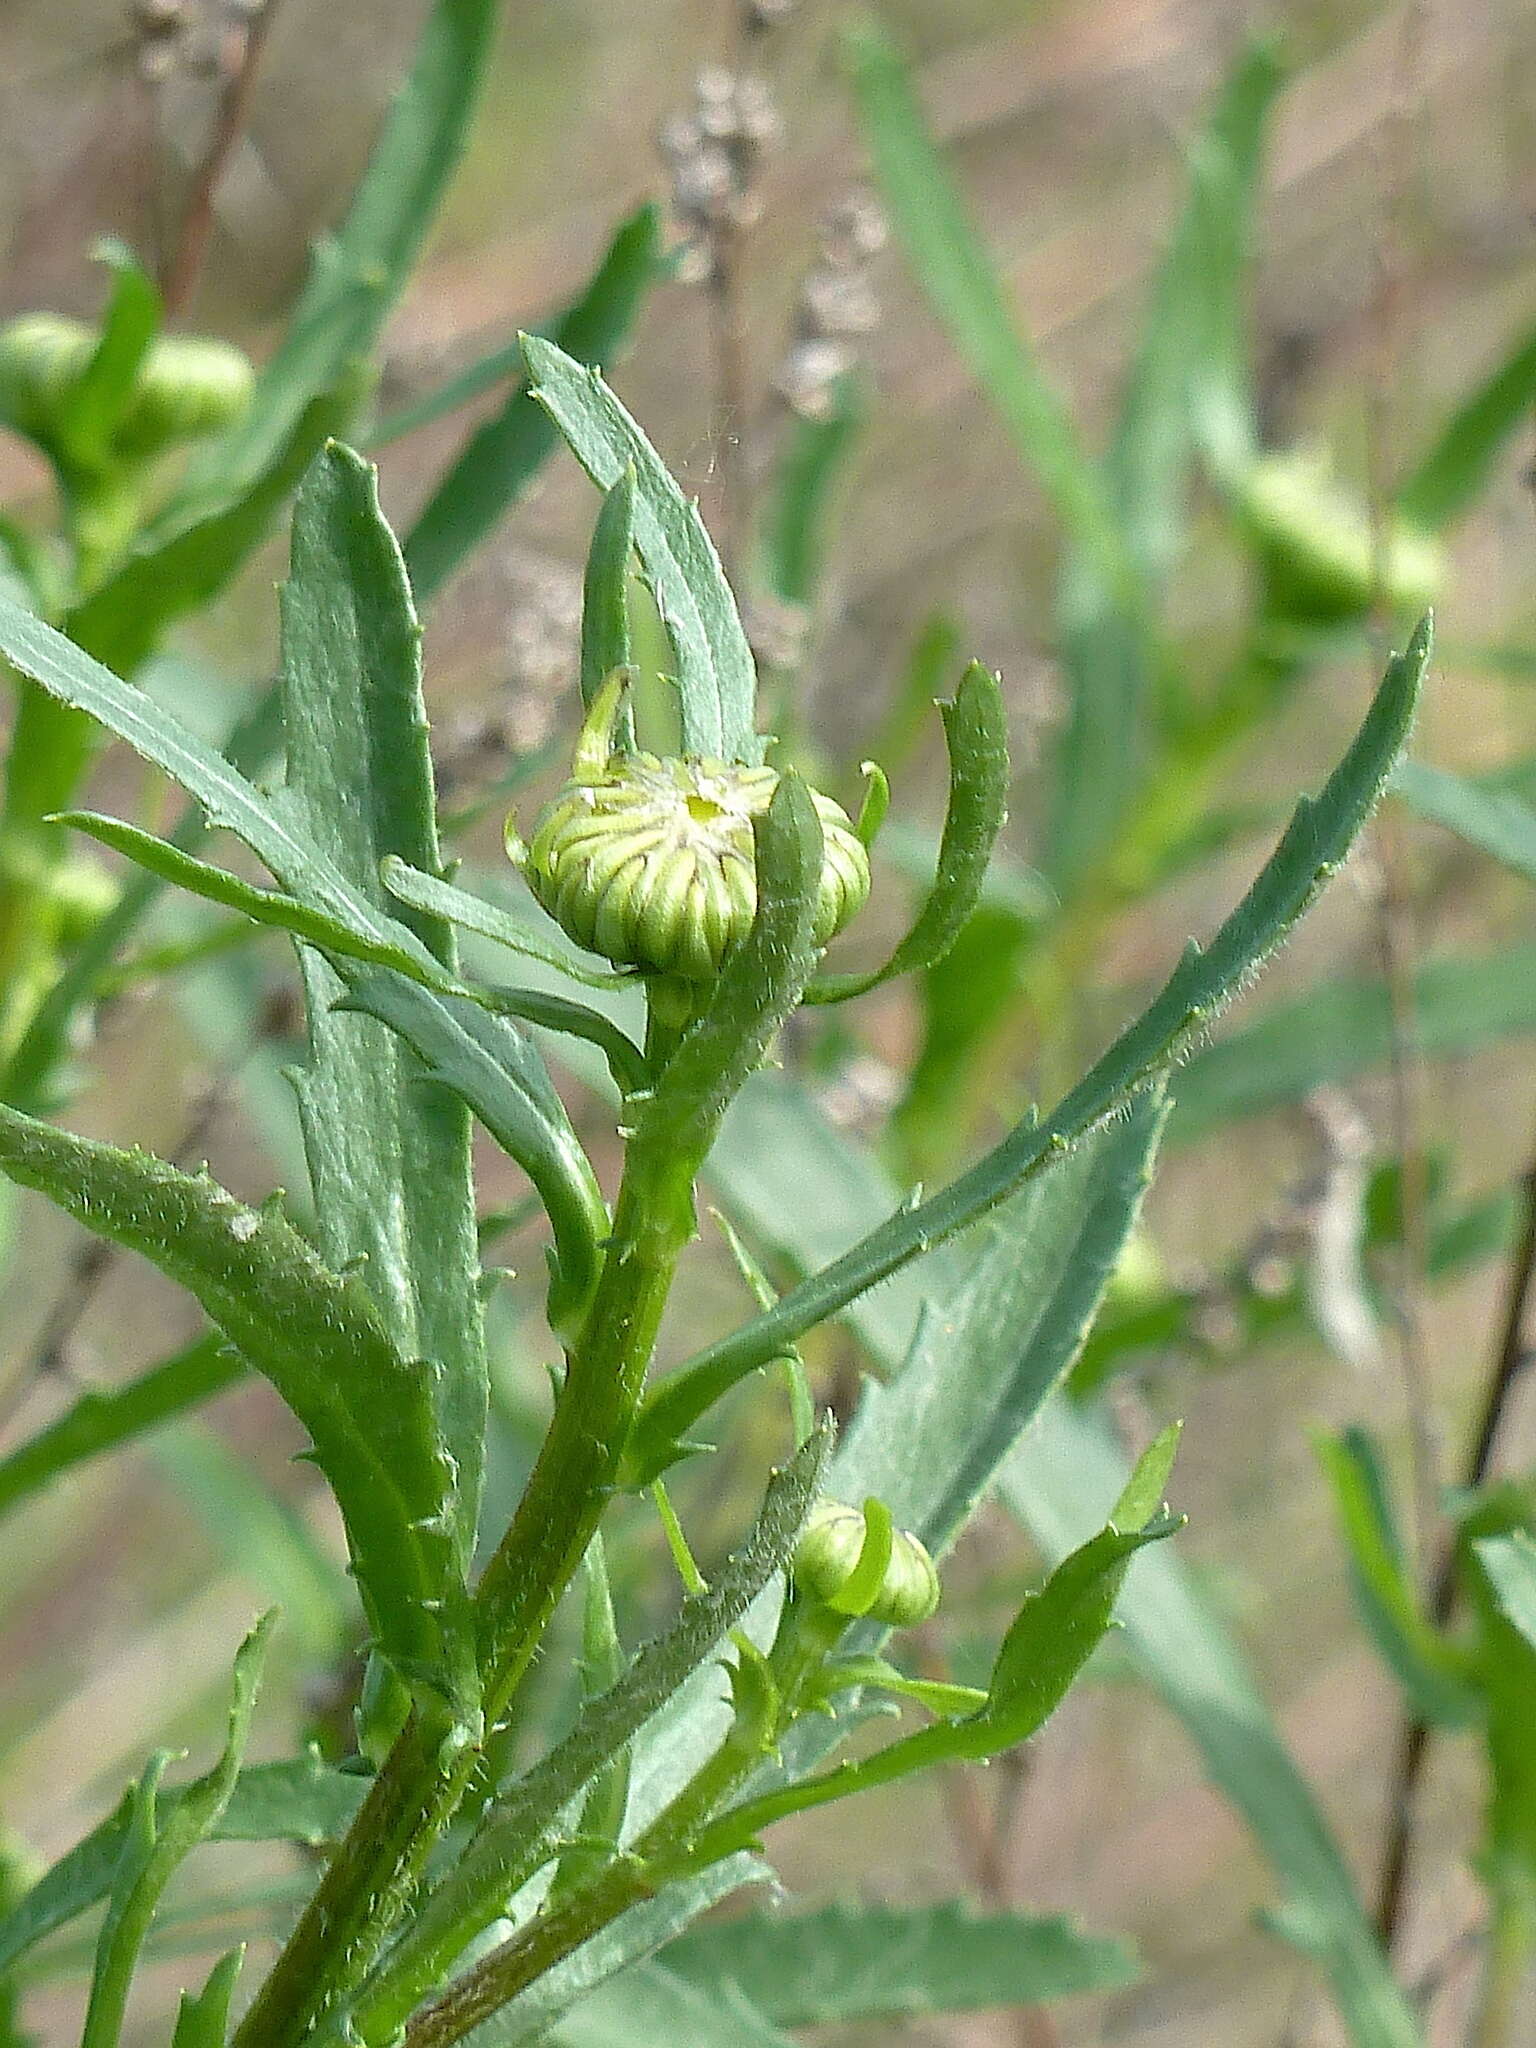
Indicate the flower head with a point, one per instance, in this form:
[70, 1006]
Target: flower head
[650, 862]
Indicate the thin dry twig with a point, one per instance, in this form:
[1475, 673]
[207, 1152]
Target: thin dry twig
[240, 61]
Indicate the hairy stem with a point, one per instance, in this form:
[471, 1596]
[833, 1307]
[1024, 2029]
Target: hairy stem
[422, 1784]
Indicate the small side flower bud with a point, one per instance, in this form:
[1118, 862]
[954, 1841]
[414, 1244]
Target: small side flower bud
[188, 388]
[651, 862]
[829, 1550]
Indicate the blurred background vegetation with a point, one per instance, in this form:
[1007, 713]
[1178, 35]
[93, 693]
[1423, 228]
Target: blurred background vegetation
[1394, 257]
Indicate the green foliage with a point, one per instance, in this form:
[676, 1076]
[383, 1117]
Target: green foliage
[501, 457]
[154, 1844]
[716, 680]
[850, 1962]
[318, 1336]
[1495, 823]
[975, 732]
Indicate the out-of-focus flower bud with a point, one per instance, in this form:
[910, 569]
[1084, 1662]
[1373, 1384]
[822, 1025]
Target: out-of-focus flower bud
[1323, 558]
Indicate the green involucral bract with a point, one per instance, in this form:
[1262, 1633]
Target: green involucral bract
[650, 862]
[830, 1550]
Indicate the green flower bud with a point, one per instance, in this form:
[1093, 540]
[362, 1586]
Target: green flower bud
[1319, 548]
[650, 862]
[829, 1549]
[41, 356]
[188, 388]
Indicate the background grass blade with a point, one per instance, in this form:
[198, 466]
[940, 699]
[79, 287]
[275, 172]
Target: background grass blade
[358, 273]
[1458, 464]
[1488, 819]
[501, 457]
[963, 287]
[103, 1419]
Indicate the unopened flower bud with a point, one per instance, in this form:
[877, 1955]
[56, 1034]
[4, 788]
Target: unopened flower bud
[828, 1552]
[187, 386]
[651, 862]
[1324, 558]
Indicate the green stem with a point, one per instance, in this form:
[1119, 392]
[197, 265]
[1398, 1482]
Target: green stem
[416, 1793]
[51, 748]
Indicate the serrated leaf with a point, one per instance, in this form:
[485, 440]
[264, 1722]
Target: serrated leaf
[976, 734]
[1061, 1468]
[716, 678]
[303, 1801]
[1490, 820]
[358, 273]
[388, 1153]
[319, 1338]
[846, 1962]
[101, 1419]
[154, 1843]
[1431, 1673]
[503, 454]
[1314, 844]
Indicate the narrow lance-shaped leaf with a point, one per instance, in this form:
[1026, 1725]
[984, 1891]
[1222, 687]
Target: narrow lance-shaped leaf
[154, 1844]
[605, 636]
[318, 1337]
[1434, 1676]
[505, 452]
[101, 392]
[716, 678]
[1452, 473]
[1314, 844]
[793, 542]
[844, 1963]
[976, 733]
[489, 921]
[388, 1154]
